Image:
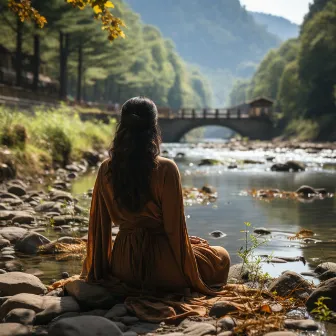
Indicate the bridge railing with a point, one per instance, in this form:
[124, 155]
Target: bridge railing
[210, 114]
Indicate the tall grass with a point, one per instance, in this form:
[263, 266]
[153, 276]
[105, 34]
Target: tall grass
[302, 129]
[52, 136]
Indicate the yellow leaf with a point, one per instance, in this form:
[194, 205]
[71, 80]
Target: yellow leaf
[122, 34]
[266, 309]
[109, 4]
[97, 9]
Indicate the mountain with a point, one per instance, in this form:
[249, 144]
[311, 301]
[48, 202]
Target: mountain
[220, 37]
[277, 25]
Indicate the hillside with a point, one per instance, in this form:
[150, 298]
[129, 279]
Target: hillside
[220, 37]
[277, 25]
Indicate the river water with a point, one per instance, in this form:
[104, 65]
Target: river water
[283, 217]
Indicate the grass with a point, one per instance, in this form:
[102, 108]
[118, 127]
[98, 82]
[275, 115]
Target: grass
[302, 129]
[51, 137]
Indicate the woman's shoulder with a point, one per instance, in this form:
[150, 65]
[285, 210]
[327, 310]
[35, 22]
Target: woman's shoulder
[104, 166]
[167, 164]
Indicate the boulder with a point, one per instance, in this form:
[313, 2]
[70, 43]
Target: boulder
[45, 307]
[18, 282]
[238, 272]
[262, 231]
[90, 296]
[20, 315]
[324, 267]
[14, 329]
[222, 308]
[291, 284]
[325, 289]
[17, 190]
[84, 326]
[327, 275]
[12, 233]
[31, 242]
[308, 325]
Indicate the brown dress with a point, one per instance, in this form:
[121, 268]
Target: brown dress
[152, 250]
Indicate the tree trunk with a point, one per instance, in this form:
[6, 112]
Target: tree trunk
[18, 55]
[61, 66]
[64, 51]
[79, 73]
[36, 62]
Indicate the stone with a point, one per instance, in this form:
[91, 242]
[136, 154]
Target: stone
[66, 219]
[20, 315]
[324, 267]
[217, 234]
[291, 284]
[208, 189]
[72, 175]
[238, 272]
[226, 323]
[294, 166]
[262, 231]
[59, 195]
[7, 195]
[12, 233]
[45, 307]
[4, 242]
[2, 271]
[306, 191]
[73, 168]
[65, 275]
[226, 333]
[117, 311]
[91, 157]
[56, 292]
[200, 329]
[327, 275]
[18, 282]
[49, 207]
[31, 242]
[325, 289]
[132, 333]
[17, 190]
[128, 320]
[144, 327]
[84, 326]
[14, 266]
[90, 296]
[23, 219]
[281, 333]
[95, 312]
[14, 329]
[122, 327]
[9, 214]
[222, 308]
[308, 325]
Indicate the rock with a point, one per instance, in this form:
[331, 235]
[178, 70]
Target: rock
[288, 166]
[17, 190]
[59, 195]
[84, 326]
[49, 207]
[326, 266]
[325, 289]
[73, 168]
[66, 219]
[226, 333]
[308, 325]
[95, 312]
[91, 157]
[23, 219]
[306, 191]
[45, 307]
[72, 175]
[8, 195]
[14, 266]
[8, 214]
[12, 233]
[222, 308]
[4, 242]
[117, 311]
[7, 171]
[210, 162]
[281, 333]
[14, 329]
[262, 231]
[226, 323]
[291, 284]
[200, 329]
[239, 272]
[17, 282]
[90, 296]
[31, 242]
[217, 234]
[65, 275]
[144, 327]
[56, 292]
[2, 271]
[277, 261]
[327, 275]
[128, 320]
[20, 315]
[209, 189]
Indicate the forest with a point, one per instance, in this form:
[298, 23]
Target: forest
[301, 77]
[73, 49]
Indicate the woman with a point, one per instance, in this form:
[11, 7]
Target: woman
[141, 192]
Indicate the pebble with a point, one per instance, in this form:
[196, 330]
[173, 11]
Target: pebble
[226, 323]
[222, 308]
[65, 275]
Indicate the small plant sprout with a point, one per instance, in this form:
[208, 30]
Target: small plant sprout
[322, 312]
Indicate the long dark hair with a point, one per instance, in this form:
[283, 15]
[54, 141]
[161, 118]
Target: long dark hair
[134, 153]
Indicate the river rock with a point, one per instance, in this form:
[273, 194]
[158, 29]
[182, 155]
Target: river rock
[222, 308]
[117, 311]
[326, 266]
[217, 234]
[200, 329]
[262, 231]
[59, 195]
[90, 296]
[17, 190]
[281, 333]
[12, 233]
[45, 307]
[291, 284]
[4, 242]
[7, 171]
[84, 326]
[20, 315]
[306, 191]
[23, 219]
[18, 282]
[14, 329]
[31, 242]
[66, 219]
[14, 266]
[308, 325]
[8, 214]
[73, 168]
[327, 275]
[238, 272]
[210, 162]
[8, 195]
[226, 323]
[325, 289]
[208, 189]
[95, 312]
[49, 207]
[91, 157]
[294, 166]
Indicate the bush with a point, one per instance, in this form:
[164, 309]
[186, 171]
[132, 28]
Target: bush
[303, 129]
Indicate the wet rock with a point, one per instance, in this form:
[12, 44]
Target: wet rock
[277, 261]
[8, 214]
[84, 326]
[217, 234]
[308, 325]
[45, 307]
[31, 242]
[17, 190]
[17, 282]
[238, 272]
[92, 158]
[95, 312]
[128, 320]
[20, 315]
[90, 296]
[210, 162]
[291, 284]
[72, 175]
[8, 195]
[200, 329]
[117, 311]
[73, 168]
[59, 292]
[12, 233]
[325, 289]
[65, 275]
[294, 166]
[49, 207]
[232, 166]
[226, 323]
[262, 231]
[6, 257]
[61, 196]
[14, 329]
[324, 267]
[327, 275]
[222, 308]
[2, 271]
[208, 189]
[306, 191]
[4, 207]
[281, 333]
[14, 266]
[4, 242]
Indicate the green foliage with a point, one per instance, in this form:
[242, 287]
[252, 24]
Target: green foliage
[302, 129]
[322, 312]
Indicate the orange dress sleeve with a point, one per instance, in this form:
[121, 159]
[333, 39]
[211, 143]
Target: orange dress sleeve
[96, 266]
[176, 228]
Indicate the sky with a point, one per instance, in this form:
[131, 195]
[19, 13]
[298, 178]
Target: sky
[293, 10]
